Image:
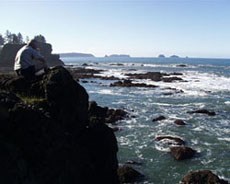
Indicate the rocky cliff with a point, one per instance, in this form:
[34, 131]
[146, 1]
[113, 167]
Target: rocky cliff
[8, 53]
[46, 137]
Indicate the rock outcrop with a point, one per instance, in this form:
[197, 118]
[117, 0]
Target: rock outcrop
[129, 83]
[129, 175]
[202, 177]
[9, 52]
[46, 137]
[203, 111]
[157, 76]
[182, 152]
[104, 114]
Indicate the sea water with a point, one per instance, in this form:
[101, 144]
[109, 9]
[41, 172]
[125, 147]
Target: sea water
[207, 86]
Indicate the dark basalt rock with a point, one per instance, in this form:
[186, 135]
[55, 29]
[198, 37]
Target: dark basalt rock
[104, 114]
[129, 83]
[156, 76]
[203, 111]
[179, 122]
[159, 118]
[202, 177]
[182, 152]
[171, 79]
[45, 134]
[127, 174]
[181, 65]
[83, 73]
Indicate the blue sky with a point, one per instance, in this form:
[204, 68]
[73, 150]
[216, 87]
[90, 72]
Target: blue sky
[193, 28]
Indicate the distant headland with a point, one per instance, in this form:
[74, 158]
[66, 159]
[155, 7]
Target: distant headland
[75, 54]
[118, 55]
[163, 56]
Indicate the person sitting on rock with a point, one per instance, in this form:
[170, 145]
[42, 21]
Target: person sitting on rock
[25, 60]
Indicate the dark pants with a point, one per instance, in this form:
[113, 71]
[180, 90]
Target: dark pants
[28, 73]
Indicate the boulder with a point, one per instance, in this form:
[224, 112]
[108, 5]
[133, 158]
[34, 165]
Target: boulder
[202, 177]
[182, 152]
[159, 118]
[179, 122]
[127, 174]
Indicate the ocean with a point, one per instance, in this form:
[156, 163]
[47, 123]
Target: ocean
[206, 86]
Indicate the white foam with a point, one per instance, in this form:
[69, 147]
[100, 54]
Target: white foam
[224, 139]
[108, 92]
[199, 84]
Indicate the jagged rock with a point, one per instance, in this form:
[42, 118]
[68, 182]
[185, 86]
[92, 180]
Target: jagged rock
[104, 114]
[50, 135]
[97, 111]
[159, 118]
[182, 152]
[114, 115]
[202, 177]
[127, 174]
[203, 111]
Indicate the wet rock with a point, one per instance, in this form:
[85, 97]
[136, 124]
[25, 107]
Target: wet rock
[181, 65]
[179, 122]
[129, 83]
[97, 111]
[156, 76]
[202, 177]
[171, 79]
[171, 140]
[172, 91]
[159, 118]
[104, 114]
[114, 115]
[127, 174]
[182, 152]
[84, 73]
[203, 111]
[176, 73]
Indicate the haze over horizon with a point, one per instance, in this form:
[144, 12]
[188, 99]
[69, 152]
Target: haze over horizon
[147, 28]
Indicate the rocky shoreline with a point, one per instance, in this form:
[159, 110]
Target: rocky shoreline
[51, 133]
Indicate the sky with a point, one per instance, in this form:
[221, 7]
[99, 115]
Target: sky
[140, 28]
